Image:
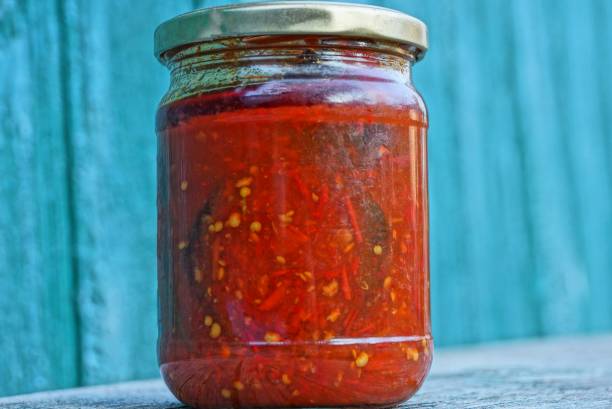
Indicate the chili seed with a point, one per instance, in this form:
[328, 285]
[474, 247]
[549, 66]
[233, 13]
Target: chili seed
[378, 249]
[255, 226]
[280, 260]
[208, 320]
[197, 273]
[330, 289]
[361, 360]
[387, 282]
[305, 276]
[234, 220]
[182, 245]
[184, 185]
[286, 380]
[272, 337]
[218, 226]
[215, 330]
[238, 385]
[333, 316]
[246, 181]
[412, 354]
[226, 393]
[287, 217]
[245, 191]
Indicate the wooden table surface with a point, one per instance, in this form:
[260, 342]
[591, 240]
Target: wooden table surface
[554, 373]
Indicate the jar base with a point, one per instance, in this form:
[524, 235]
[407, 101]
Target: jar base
[370, 372]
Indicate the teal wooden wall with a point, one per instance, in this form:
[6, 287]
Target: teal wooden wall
[520, 98]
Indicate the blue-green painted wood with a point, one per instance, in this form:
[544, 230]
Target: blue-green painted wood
[520, 101]
[587, 158]
[114, 83]
[436, 79]
[558, 270]
[38, 335]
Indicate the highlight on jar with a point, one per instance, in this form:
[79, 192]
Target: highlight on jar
[293, 256]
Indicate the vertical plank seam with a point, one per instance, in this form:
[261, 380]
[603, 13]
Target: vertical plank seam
[571, 168]
[530, 287]
[65, 95]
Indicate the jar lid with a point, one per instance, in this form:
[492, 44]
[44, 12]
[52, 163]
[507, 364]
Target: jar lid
[291, 18]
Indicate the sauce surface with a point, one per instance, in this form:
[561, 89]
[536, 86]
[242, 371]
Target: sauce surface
[293, 255]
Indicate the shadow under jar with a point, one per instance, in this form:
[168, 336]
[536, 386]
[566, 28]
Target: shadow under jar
[292, 207]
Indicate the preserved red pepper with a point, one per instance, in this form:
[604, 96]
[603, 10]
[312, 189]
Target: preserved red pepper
[293, 254]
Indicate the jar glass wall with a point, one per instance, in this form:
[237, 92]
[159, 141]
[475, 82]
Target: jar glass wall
[293, 223]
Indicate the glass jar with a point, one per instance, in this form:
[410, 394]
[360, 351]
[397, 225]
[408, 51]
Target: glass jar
[292, 207]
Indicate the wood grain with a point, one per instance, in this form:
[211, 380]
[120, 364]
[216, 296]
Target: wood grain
[38, 335]
[573, 372]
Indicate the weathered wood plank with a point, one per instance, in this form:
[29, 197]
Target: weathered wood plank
[114, 85]
[574, 372]
[451, 299]
[558, 272]
[38, 336]
[491, 195]
[584, 136]
[504, 260]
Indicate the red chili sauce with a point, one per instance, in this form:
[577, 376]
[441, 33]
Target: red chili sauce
[294, 246]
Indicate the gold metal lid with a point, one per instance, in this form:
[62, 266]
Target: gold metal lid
[291, 18]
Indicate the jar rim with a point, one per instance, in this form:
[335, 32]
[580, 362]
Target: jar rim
[291, 18]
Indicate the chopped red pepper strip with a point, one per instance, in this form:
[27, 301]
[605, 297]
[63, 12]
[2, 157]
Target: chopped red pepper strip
[353, 217]
[279, 273]
[274, 299]
[297, 234]
[349, 319]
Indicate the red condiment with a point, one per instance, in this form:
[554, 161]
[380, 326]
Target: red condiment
[293, 255]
